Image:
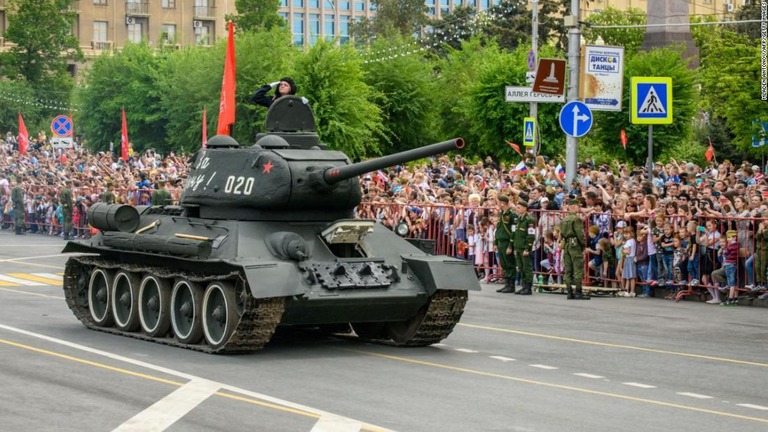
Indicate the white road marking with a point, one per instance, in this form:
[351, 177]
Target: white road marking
[758, 407]
[541, 366]
[20, 281]
[586, 375]
[695, 395]
[640, 385]
[172, 372]
[50, 276]
[336, 424]
[30, 293]
[165, 412]
[439, 345]
[466, 350]
[502, 358]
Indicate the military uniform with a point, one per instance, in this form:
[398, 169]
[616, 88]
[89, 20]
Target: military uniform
[572, 232]
[108, 196]
[161, 196]
[761, 256]
[507, 219]
[65, 197]
[17, 197]
[522, 240]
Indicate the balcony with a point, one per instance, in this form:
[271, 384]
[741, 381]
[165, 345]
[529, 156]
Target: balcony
[137, 8]
[205, 13]
[102, 45]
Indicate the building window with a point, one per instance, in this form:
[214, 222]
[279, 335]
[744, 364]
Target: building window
[360, 6]
[100, 2]
[135, 32]
[169, 33]
[344, 29]
[284, 15]
[330, 27]
[314, 4]
[169, 4]
[284, 3]
[298, 4]
[372, 7]
[456, 3]
[344, 5]
[202, 35]
[329, 5]
[314, 28]
[99, 31]
[298, 29]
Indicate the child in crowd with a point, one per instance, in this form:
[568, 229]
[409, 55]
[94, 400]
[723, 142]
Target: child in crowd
[730, 258]
[595, 254]
[558, 255]
[692, 251]
[657, 232]
[481, 253]
[471, 243]
[618, 241]
[549, 249]
[717, 275]
[609, 261]
[629, 272]
[642, 259]
[667, 254]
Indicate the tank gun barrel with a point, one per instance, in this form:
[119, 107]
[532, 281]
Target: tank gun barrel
[335, 175]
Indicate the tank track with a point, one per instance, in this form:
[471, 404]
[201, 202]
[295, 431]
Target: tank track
[257, 324]
[442, 315]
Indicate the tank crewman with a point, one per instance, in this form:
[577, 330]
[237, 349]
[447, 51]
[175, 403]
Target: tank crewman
[109, 195]
[572, 232]
[286, 86]
[65, 197]
[522, 239]
[504, 244]
[161, 196]
[17, 197]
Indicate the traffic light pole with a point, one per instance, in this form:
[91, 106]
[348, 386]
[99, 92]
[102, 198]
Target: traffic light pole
[534, 108]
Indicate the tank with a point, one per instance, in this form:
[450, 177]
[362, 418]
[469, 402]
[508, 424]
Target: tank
[264, 236]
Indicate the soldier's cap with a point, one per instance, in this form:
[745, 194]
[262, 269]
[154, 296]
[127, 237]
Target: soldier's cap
[523, 196]
[503, 198]
[574, 201]
[109, 183]
[161, 181]
[731, 233]
[68, 181]
[522, 202]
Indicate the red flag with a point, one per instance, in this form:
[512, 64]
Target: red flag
[205, 127]
[227, 104]
[125, 145]
[710, 153]
[23, 137]
[623, 136]
[515, 147]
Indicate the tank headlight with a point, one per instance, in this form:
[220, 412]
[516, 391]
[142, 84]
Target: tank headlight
[402, 229]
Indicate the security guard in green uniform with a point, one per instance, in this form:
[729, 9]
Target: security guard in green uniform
[65, 197]
[572, 232]
[522, 240]
[507, 219]
[160, 196]
[108, 196]
[17, 197]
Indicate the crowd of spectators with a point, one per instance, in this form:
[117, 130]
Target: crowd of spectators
[677, 220]
[43, 171]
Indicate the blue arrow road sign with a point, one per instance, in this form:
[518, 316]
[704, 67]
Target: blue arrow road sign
[575, 119]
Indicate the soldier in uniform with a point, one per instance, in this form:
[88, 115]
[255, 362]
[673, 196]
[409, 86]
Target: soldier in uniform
[572, 232]
[65, 197]
[17, 197]
[109, 195]
[507, 219]
[522, 239]
[161, 196]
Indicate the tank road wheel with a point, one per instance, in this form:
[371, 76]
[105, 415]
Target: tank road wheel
[403, 332]
[186, 320]
[220, 315]
[98, 297]
[154, 306]
[125, 300]
[433, 322]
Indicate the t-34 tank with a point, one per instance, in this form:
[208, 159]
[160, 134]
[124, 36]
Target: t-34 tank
[264, 236]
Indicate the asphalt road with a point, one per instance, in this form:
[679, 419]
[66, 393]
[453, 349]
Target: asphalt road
[514, 363]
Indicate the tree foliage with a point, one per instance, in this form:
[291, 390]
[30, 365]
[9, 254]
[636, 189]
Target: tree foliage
[451, 30]
[393, 17]
[510, 23]
[630, 38]
[607, 126]
[42, 33]
[257, 15]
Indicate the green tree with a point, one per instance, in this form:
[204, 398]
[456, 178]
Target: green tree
[42, 33]
[126, 79]
[405, 94]
[347, 118]
[393, 17]
[450, 30]
[607, 126]
[256, 15]
[20, 97]
[510, 22]
[630, 38]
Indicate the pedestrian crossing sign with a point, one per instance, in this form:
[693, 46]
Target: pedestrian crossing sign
[529, 131]
[651, 100]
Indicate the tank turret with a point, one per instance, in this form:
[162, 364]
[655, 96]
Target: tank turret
[287, 175]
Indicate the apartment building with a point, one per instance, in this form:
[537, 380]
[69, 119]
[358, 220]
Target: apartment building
[108, 24]
[723, 9]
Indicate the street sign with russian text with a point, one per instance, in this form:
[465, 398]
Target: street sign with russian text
[526, 94]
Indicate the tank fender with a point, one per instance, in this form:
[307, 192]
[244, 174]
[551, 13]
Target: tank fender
[440, 272]
[274, 279]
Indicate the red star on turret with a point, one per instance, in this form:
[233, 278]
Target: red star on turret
[267, 167]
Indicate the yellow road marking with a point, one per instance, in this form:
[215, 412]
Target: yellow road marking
[4, 283]
[557, 386]
[610, 345]
[35, 278]
[32, 293]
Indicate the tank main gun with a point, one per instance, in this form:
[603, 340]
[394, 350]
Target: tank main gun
[334, 175]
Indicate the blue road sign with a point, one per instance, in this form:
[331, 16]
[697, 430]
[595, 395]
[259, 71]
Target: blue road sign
[61, 126]
[575, 119]
[529, 131]
[531, 61]
[651, 100]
